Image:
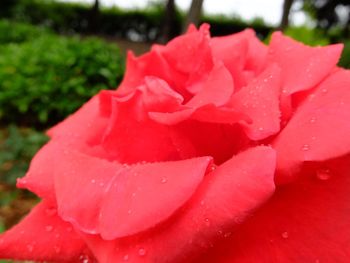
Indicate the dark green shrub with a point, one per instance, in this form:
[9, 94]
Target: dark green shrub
[13, 32]
[17, 147]
[44, 80]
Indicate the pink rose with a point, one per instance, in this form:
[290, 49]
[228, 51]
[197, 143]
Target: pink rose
[211, 150]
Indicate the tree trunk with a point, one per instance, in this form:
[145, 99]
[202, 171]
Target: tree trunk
[93, 17]
[194, 14]
[169, 26]
[287, 5]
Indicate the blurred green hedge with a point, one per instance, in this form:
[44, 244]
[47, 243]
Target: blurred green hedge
[135, 24]
[45, 77]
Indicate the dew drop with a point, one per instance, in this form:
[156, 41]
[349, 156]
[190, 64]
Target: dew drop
[305, 147]
[227, 234]
[142, 252]
[93, 181]
[202, 202]
[260, 128]
[50, 211]
[323, 174]
[30, 247]
[57, 249]
[49, 228]
[164, 180]
[285, 235]
[324, 90]
[126, 257]
[207, 222]
[84, 259]
[313, 120]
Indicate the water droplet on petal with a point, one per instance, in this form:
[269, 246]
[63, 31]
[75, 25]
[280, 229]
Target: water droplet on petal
[313, 120]
[57, 249]
[84, 259]
[324, 90]
[227, 234]
[202, 202]
[93, 181]
[30, 247]
[285, 235]
[49, 228]
[142, 252]
[51, 211]
[323, 174]
[126, 257]
[164, 180]
[207, 222]
[260, 128]
[305, 147]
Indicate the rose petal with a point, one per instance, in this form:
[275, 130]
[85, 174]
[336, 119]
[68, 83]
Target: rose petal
[195, 59]
[302, 66]
[225, 198]
[307, 221]
[240, 52]
[43, 236]
[82, 127]
[98, 196]
[260, 101]
[320, 128]
[217, 89]
[39, 178]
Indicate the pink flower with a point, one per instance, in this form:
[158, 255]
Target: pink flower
[211, 150]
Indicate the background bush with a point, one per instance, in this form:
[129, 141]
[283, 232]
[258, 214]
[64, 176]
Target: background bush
[45, 79]
[17, 147]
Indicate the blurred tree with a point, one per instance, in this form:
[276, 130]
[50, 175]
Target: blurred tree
[6, 7]
[194, 14]
[94, 17]
[170, 23]
[329, 13]
[287, 5]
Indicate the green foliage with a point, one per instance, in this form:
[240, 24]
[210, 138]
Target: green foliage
[345, 58]
[134, 24]
[17, 147]
[11, 32]
[308, 36]
[49, 77]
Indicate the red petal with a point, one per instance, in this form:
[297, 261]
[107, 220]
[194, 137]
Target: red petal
[307, 221]
[103, 197]
[83, 127]
[217, 89]
[225, 198]
[260, 101]
[302, 67]
[131, 132]
[320, 128]
[39, 179]
[240, 53]
[43, 236]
